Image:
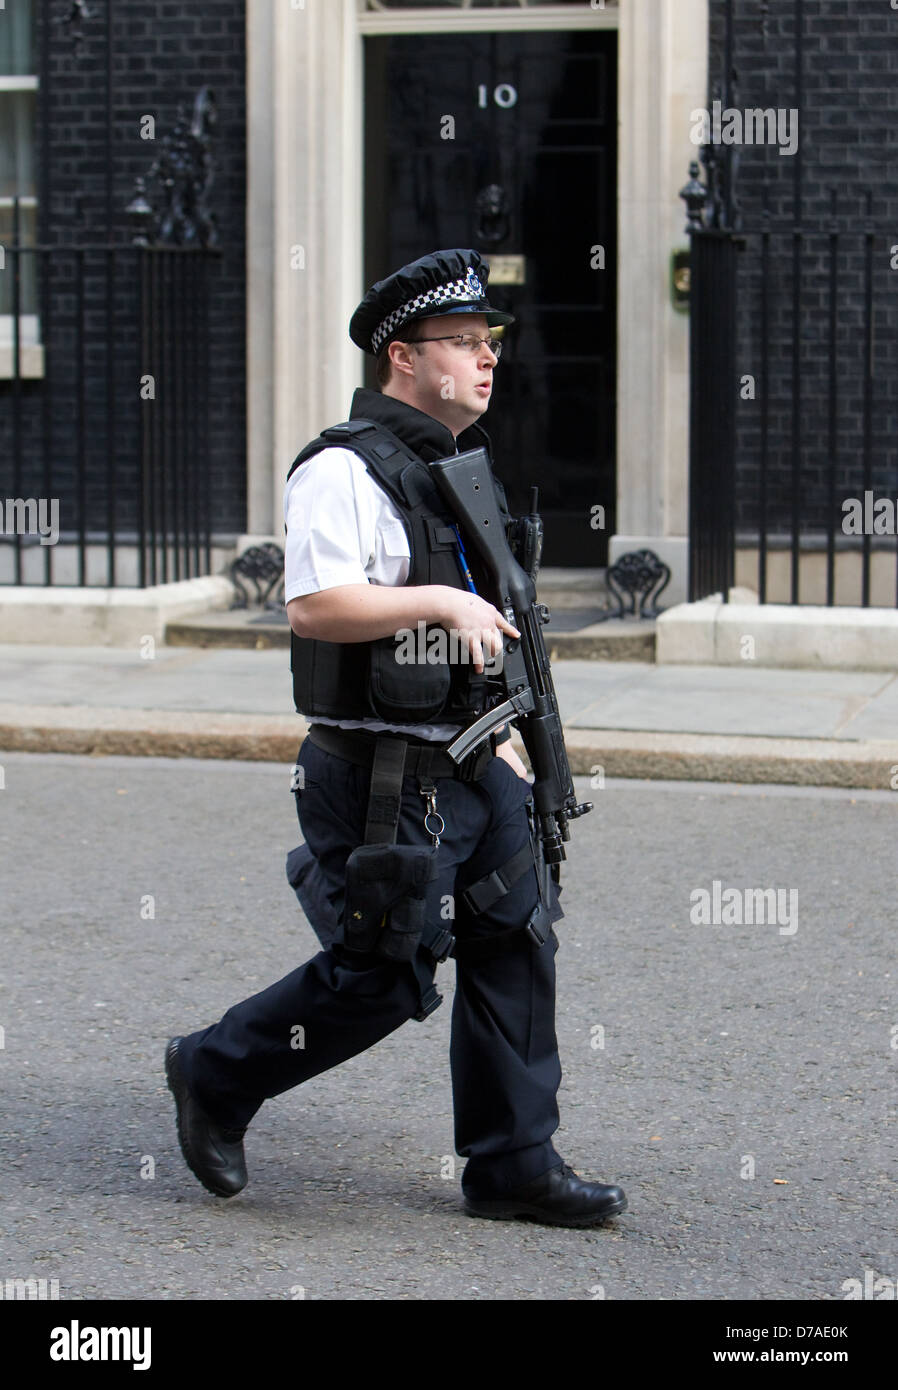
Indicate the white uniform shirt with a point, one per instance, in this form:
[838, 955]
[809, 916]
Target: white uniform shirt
[343, 528]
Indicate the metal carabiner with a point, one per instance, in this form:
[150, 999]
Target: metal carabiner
[429, 792]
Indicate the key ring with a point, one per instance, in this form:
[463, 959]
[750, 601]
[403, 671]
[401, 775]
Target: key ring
[435, 834]
[429, 792]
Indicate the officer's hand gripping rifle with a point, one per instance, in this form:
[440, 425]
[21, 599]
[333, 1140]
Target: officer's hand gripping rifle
[466, 484]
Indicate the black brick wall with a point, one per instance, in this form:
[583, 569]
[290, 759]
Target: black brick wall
[164, 52]
[848, 134]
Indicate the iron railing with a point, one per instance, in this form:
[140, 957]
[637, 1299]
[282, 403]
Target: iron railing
[106, 388]
[110, 425]
[793, 333]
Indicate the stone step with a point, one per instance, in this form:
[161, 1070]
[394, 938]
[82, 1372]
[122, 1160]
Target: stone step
[579, 628]
[570, 634]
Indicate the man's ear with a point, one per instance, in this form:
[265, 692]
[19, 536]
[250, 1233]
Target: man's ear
[400, 356]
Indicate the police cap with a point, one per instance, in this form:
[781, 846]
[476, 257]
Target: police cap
[445, 282]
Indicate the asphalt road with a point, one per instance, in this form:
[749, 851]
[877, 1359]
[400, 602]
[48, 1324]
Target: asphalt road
[738, 1080]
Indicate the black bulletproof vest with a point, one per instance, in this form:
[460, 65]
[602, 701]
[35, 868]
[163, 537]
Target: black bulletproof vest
[413, 679]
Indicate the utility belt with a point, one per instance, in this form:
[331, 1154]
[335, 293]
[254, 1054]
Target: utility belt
[386, 883]
[422, 757]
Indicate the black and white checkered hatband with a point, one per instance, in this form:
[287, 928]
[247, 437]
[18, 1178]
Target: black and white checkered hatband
[467, 291]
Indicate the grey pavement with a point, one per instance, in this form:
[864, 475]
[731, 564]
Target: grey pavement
[738, 1081]
[637, 696]
[621, 719]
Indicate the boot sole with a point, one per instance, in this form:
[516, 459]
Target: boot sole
[508, 1211]
[178, 1087]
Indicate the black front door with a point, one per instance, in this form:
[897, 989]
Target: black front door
[507, 143]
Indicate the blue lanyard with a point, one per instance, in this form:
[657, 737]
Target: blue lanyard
[462, 559]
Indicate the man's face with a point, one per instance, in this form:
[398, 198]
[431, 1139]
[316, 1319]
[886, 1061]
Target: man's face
[442, 378]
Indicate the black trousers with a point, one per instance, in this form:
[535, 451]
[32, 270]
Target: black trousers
[503, 1053]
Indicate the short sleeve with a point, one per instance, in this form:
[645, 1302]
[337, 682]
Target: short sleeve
[331, 524]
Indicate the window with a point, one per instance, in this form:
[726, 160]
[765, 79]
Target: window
[18, 100]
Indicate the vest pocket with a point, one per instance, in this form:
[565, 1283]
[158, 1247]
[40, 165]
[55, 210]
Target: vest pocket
[404, 691]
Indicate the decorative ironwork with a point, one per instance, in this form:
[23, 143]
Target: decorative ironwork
[639, 572]
[722, 160]
[722, 209]
[712, 308]
[713, 214]
[695, 196]
[76, 17]
[177, 213]
[262, 565]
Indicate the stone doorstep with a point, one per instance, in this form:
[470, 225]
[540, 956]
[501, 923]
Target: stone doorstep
[596, 753]
[572, 588]
[614, 640]
[193, 613]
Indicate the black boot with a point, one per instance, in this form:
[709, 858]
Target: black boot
[556, 1198]
[213, 1154]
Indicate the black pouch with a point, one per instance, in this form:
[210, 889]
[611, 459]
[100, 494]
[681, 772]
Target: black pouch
[405, 690]
[386, 886]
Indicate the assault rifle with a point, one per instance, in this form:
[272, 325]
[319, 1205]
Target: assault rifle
[527, 691]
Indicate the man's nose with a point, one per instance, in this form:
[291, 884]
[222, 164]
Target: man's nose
[491, 357]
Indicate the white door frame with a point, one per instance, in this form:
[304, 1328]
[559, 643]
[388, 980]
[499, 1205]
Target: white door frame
[305, 230]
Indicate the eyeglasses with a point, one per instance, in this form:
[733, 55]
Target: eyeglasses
[468, 342]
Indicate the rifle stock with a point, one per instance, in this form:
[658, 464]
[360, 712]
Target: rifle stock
[466, 484]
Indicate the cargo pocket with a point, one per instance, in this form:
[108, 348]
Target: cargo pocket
[403, 687]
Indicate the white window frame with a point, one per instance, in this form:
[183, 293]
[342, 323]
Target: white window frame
[458, 19]
[31, 349]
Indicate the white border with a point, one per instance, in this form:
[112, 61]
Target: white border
[554, 17]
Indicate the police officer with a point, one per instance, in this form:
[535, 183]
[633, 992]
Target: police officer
[370, 553]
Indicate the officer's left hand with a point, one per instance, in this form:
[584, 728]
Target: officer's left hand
[506, 751]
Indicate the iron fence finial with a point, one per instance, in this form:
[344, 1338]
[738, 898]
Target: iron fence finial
[694, 195]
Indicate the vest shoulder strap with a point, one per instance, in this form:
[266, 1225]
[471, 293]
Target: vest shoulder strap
[394, 465]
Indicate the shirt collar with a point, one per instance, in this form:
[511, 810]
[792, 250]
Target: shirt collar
[422, 433]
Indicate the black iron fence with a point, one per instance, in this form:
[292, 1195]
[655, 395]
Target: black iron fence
[106, 387]
[104, 414]
[835, 283]
[793, 334]
[712, 418]
[790, 374]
